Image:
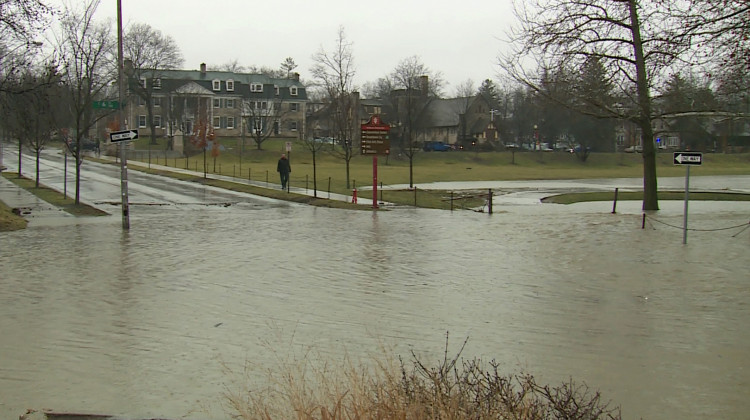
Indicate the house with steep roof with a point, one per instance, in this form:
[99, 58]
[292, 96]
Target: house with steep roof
[458, 121]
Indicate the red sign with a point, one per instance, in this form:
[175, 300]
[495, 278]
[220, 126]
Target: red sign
[375, 137]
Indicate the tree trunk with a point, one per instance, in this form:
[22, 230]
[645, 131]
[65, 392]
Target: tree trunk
[650, 197]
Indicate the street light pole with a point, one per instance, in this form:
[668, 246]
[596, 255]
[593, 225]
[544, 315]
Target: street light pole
[121, 88]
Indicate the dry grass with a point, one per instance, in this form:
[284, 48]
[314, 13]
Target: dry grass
[383, 388]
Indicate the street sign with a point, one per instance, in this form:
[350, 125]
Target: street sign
[375, 137]
[106, 104]
[688, 158]
[126, 135]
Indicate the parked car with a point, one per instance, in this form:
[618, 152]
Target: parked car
[436, 146]
[324, 140]
[634, 149]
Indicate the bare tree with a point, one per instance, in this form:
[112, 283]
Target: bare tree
[465, 93]
[149, 53]
[86, 51]
[22, 20]
[415, 85]
[233, 66]
[334, 70]
[263, 113]
[634, 42]
[31, 110]
[721, 29]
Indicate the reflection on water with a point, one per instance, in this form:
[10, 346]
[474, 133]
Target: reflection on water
[137, 323]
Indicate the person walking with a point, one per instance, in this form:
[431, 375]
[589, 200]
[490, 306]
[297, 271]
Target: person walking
[283, 168]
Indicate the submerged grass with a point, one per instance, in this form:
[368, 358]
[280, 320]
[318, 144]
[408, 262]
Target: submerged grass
[571, 198]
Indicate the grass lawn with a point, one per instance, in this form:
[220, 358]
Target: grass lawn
[435, 166]
[260, 165]
[10, 221]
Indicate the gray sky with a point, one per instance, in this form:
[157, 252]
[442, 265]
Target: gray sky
[459, 39]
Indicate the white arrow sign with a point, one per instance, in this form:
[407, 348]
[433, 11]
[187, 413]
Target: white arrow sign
[688, 158]
[123, 135]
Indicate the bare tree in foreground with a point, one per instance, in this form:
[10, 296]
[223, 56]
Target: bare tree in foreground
[86, 51]
[634, 42]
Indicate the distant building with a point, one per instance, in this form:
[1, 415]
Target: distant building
[230, 104]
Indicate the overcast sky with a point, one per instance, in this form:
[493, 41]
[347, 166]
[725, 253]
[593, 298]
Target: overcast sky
[460, 39]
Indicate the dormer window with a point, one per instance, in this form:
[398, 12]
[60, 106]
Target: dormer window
[293, 91]
[216, 83]
[276, 90]
[230, 85]
[256, 87]
[157, 83]
[143, 82]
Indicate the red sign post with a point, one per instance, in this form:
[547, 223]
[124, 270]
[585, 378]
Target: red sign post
[375, 140]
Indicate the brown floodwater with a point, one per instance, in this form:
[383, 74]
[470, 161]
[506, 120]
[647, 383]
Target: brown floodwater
[141, 323]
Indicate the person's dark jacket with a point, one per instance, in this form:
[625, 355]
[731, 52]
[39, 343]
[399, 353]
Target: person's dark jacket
[283, 165]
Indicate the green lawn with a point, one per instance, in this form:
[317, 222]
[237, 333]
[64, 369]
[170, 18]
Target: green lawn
[436, 166]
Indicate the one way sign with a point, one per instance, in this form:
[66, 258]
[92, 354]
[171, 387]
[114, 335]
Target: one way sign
[126, 135]
[688, 158]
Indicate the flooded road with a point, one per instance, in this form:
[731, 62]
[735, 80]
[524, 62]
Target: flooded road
[139, 323]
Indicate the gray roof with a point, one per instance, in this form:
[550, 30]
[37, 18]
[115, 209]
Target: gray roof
[445, 112]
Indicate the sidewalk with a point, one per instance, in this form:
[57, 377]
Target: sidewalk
[260, 184]
[30, 205]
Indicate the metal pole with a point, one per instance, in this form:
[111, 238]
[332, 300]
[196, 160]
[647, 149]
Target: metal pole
[614, 204]
[685, 215]
[375, 181]
[121, 86]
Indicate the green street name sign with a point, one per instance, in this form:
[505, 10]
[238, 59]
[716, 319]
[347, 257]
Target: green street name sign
[106, 104]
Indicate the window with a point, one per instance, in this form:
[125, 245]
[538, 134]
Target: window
[157, 83]
[293, 126]
[293, 91]
[141, 121]
[230, 85]
[216, 83]
[217, 103]
[143, 82]
[229, 103]
[294, 107]
[217, 122]
[157, 101]
[261, 105]
[230, 122]
[141, 101]
[276, 90]
[256, 87]
[157, 121]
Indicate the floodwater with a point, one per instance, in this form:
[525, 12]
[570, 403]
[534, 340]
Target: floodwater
[142, 323]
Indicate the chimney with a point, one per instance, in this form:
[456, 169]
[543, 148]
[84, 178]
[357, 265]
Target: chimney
[203, 69]
[424, 82]
[295, 77]
[128, 66]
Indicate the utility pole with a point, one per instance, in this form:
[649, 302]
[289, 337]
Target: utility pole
[121, 86]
